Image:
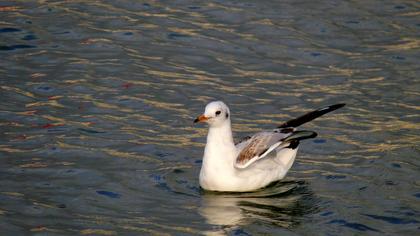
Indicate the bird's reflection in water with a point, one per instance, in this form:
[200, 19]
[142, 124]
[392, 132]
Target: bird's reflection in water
[283, 204]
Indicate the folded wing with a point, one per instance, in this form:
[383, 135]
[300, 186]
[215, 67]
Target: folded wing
[252, 149]
[263, 143]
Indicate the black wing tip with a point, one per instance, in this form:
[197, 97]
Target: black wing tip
[336, 106]
[330, 108]
[294, 144]
[313, 135]
[311, 116]
[297, 136]
[300, 135]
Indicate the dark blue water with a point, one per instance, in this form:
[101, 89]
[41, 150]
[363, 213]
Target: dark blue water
[97, 101]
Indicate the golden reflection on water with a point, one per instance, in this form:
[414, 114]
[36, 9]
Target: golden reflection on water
[189, 32]
[13, 194]
[98, 232]
[52, 103]
[135, 223]
[45, 229]
[403, 44]
[415, 13]
[109, 151]
[18, 91]
[131, 155]
[9, 149]
[108, 106]
[147, 112]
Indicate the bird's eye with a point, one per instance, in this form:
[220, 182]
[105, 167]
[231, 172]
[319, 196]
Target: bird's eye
[218, 113]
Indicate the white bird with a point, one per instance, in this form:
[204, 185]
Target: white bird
[255, 161]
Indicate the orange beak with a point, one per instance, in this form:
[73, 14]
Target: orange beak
[201, 118]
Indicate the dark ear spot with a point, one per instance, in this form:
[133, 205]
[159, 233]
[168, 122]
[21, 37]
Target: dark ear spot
[227, 115]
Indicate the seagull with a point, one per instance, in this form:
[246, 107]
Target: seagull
[255, 161]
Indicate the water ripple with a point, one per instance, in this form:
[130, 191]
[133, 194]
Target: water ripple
[97, 101]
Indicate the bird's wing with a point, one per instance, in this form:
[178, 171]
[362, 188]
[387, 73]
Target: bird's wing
[262, 143]
[242, 141]
[251, 149]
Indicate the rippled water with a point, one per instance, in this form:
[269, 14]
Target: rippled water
[97, 100]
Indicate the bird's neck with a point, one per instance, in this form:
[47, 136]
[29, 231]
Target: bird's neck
[219, 157]
[220, 136]
[220, 148]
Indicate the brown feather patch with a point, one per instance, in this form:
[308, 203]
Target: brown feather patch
[253, 149]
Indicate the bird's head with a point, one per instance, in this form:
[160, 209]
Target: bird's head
[215, 114]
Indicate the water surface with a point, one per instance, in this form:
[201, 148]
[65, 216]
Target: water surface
[97, 101]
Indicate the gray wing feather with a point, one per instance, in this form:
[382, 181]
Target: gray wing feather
[258, 146]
